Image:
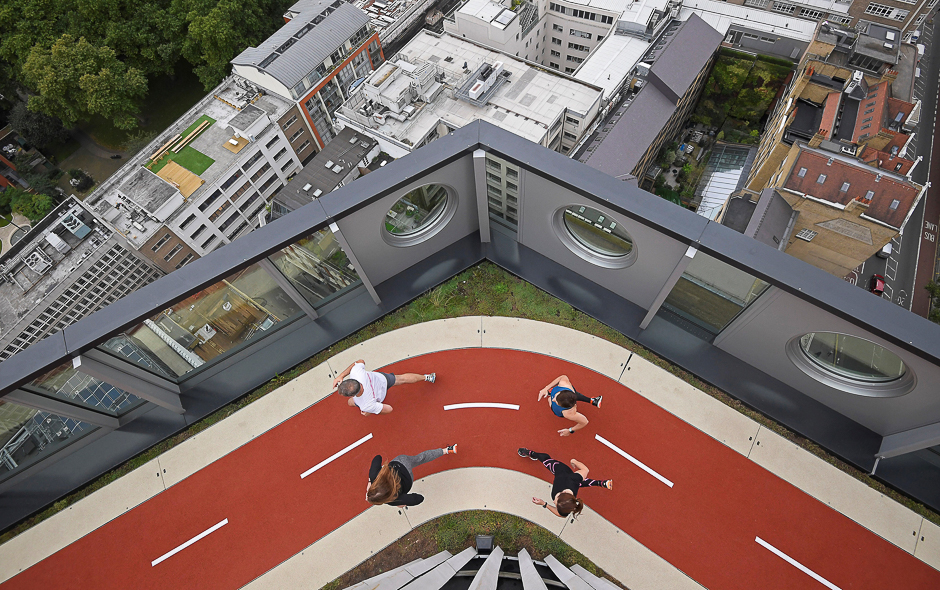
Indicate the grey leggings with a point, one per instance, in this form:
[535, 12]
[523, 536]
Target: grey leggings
[412, 461]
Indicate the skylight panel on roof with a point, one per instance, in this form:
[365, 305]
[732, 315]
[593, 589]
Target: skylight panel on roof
[290, 41]
[268, 60]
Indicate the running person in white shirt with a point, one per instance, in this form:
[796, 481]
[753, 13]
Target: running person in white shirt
[367, 389]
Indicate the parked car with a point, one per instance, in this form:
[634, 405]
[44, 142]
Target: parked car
[877, 284]
[886, 251]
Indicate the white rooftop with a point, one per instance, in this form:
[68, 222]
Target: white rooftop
[532, 99]
[611, 62]
[485, 10]
[721, 15]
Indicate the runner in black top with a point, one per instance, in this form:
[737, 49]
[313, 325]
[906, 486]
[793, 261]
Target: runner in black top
[390, 483]
[566, 484]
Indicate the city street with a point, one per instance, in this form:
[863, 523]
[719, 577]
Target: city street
[911, 264]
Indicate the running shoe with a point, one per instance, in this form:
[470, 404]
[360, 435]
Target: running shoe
[451, 450]
[526, 453]
[596, 401]
[430, 377]
[609, 484]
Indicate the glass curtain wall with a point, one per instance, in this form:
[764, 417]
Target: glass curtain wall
[710, 294]
[28, 435]
[207, 325]
[502, 192]
[69, 384]
[318, 267]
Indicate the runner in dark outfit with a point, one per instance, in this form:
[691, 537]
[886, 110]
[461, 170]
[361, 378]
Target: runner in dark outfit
[566, 484]
[390, 483]
[563, 399]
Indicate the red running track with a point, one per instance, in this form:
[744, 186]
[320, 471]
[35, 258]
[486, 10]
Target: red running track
[705, 525]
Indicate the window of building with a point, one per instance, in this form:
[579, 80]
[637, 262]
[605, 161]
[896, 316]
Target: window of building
[570, 136]
[273, 141]
[251, 161]
[559, 28]
[866, 126]
[768, 40]
[851, 363]
[894, 205]
[783, 7]
[578, 47]
[845, 187]
[821, 179]
[208, 202]
[810, 13]
[160, 243]
[556, 41]
[843, 20]
[574, 59]
[231, 180]
[185, 260]
[900, 15]
[577, 33]
[751, 36]
[572, 120]
[290, 122]
[278, 155]
[189, 220]
[594, 236]
[494, 177]
[208, 242]
[198, 232]
[303, 146]
[169, 255]
[806, 234]
[555, 53]
[297, 134]
[607, 20]
[552, 64]
[512, 187]
[756, 3]
[569, 70]
[875, 9]
[511, 173]
[556, 7]
[869, 111]
[418, 214]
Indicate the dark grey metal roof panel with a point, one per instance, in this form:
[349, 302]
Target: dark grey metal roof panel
[306, 53]
[135, 307]
[33, 361]
[630, 137]
[686, 54]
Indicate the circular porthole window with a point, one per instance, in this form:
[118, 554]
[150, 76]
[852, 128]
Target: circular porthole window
[594, 236]
[851, 364]
[419, 214]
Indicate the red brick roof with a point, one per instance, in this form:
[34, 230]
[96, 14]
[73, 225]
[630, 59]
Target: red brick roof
[883, 160]
[830, 112]
[860, 179]
[871, 111]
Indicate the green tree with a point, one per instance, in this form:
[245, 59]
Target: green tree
[38, 129]
[34, 207]
[729, 75]
[667, 158]
[75, 80]
[218, 30]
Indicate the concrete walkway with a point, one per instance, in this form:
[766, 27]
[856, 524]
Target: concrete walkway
[7, 231]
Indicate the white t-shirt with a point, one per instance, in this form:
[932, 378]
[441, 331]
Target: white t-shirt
[374, 388]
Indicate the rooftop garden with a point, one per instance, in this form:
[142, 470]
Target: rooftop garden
[484, 289]
[186, 156]
[739, 93]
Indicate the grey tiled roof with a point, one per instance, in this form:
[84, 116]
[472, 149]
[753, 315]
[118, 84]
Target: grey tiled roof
[312, 48]
[686, 54]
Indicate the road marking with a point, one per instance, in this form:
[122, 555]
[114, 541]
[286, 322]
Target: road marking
[204, 533]
[636, 462]
[482, 405]
[796, 564]
[335, 456]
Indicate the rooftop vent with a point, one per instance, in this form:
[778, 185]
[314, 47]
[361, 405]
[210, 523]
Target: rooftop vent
[329, 164]
[317, 193]
[337, 169]
[353, 139]
[307, 187]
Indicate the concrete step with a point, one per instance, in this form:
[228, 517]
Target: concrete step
[488, 574]
[531, 580]
[565, 575]
[437, 577]
[594, 581]
[373, 582]
[410, 572]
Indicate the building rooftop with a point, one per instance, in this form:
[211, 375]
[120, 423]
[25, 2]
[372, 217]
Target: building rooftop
[529, 99]
[890, 197]
[611, 62]
[148, 201]
[317, 178]
[289, 54]
[681, 48]
[36, 266]
[721, 15]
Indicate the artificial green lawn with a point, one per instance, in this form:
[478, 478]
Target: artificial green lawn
[5, 219]
[189, 158]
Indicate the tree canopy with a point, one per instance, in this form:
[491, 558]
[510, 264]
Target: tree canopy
[30, 205]
[79, 58]
[37, 128]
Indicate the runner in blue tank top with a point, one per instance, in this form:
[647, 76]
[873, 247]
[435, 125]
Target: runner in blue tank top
[563, 399]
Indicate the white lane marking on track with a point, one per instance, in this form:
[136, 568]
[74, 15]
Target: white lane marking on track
[796, 564]
[206, 532]
[631, 459]
[335, 456]
[481, 405]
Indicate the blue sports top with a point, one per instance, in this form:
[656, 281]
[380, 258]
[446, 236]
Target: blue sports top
[555, 407]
